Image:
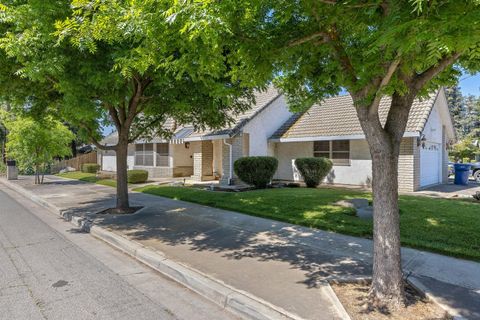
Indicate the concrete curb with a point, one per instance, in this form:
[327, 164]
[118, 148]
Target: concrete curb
[417, 285]
[234, 300]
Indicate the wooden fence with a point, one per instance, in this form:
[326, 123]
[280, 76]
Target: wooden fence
[75, 163]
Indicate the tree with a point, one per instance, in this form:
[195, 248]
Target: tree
[456, 107]
[118, 62]
[403, 49]
[34, 143]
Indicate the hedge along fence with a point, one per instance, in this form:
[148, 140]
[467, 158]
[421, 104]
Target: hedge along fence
[137, 176]
[90, 167]
[257, 171]
[313, 170]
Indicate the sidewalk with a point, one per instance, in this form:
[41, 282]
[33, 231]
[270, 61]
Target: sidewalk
[283, 264]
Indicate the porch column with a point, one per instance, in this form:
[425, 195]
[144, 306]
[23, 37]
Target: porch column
[203, 162]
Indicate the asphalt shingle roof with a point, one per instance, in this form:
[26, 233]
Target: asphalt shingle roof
[336, 116]
[262, 100]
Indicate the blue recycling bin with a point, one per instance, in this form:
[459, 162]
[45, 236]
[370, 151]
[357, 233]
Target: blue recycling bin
[462, 171]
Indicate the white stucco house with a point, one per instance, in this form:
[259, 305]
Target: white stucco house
[330, 129]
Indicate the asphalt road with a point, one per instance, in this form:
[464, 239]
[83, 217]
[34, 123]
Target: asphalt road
[49, 270]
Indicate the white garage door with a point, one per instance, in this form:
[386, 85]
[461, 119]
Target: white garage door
[109, 163]
[430, 164]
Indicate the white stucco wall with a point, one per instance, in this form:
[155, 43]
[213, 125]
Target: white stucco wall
[433, 127]
[217, 156]
[264, 124]
[359, 172]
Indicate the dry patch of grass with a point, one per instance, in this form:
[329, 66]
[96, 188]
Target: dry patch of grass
[354, 298]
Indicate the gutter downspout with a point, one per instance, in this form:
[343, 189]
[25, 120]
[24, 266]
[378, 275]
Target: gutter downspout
[230, 174]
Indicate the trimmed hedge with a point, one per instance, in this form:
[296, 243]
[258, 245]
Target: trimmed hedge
[313, 170]
[137, 176]
[257, 171]
[90, 167]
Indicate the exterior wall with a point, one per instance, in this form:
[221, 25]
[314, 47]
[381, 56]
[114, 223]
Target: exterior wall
[217, 157]
[359, 172]
[264, 125]
[181, 156]
[203, 161]
[444, 156]
[408, 173]
[157, 172]
[237, 152]
[108, 159]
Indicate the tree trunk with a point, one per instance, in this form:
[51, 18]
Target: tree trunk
[387, 283]
[122, 167]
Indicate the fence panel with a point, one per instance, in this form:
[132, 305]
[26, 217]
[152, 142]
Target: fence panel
[75, 163]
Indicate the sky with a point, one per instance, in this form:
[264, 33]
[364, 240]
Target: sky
[469, 84]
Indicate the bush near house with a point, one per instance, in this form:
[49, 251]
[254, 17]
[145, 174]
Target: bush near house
[90, 167]
[313, 170]
[137, 176]
[257, 171]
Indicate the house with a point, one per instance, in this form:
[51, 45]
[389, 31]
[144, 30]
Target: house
[207, 155]
[329, 129]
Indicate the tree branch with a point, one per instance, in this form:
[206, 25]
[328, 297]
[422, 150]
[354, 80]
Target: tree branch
[145, 128]
[383, 83]
[342, 55]
[422, 78]
[309, 38]
[114, 115]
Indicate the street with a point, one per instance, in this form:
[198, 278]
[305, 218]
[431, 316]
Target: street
[49, 270]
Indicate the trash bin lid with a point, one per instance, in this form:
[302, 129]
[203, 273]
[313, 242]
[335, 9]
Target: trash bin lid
[11, 163]
[462, 166]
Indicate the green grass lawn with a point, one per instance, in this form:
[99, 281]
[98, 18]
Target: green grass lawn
[88, 177]
[450, 227]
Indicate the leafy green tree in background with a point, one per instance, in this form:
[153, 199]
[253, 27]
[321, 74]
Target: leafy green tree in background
[456, 107]
[116, 62]
[35, 144]
[403, 49]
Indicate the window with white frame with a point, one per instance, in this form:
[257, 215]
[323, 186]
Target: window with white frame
[337, 150]
[162, 155]
[144, 154]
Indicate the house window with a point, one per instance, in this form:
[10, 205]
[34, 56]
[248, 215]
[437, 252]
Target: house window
[162, 155]
[144, 154]
[337, 150]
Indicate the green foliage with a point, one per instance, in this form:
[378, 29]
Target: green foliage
[137, 176]
[257, 171]
[35, 143]
[90, 168]
[313, 170]
[464, 150]
[3, 168]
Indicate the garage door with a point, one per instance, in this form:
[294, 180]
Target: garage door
[109, 163]
[430, 164]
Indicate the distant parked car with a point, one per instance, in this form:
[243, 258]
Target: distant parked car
[476, 171]
[86, 149]
[451, 169]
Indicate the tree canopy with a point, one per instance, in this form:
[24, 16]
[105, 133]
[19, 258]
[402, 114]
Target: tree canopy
[34, 144]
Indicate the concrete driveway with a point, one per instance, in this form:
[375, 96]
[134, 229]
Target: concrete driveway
[451, 190]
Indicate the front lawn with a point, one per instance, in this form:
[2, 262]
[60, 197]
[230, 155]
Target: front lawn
[88, 177]
[445, 226]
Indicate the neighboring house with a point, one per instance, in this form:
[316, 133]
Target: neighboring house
[330, 129]
[207, 155]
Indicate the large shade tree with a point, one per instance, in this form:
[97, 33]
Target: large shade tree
[119, 62]
[316, 48]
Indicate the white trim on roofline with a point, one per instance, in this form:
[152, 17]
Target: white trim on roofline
[328, 138]
[211, 137]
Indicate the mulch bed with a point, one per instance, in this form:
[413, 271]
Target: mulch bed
[130, 210]
[354, 298]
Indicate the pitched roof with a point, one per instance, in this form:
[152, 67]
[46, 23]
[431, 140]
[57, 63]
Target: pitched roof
[336, 117]
[262, 100]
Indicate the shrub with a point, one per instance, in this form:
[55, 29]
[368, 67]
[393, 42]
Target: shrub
[257, 171]
[90, 167]
[313, 170]
[3, 168]
[137, 176]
